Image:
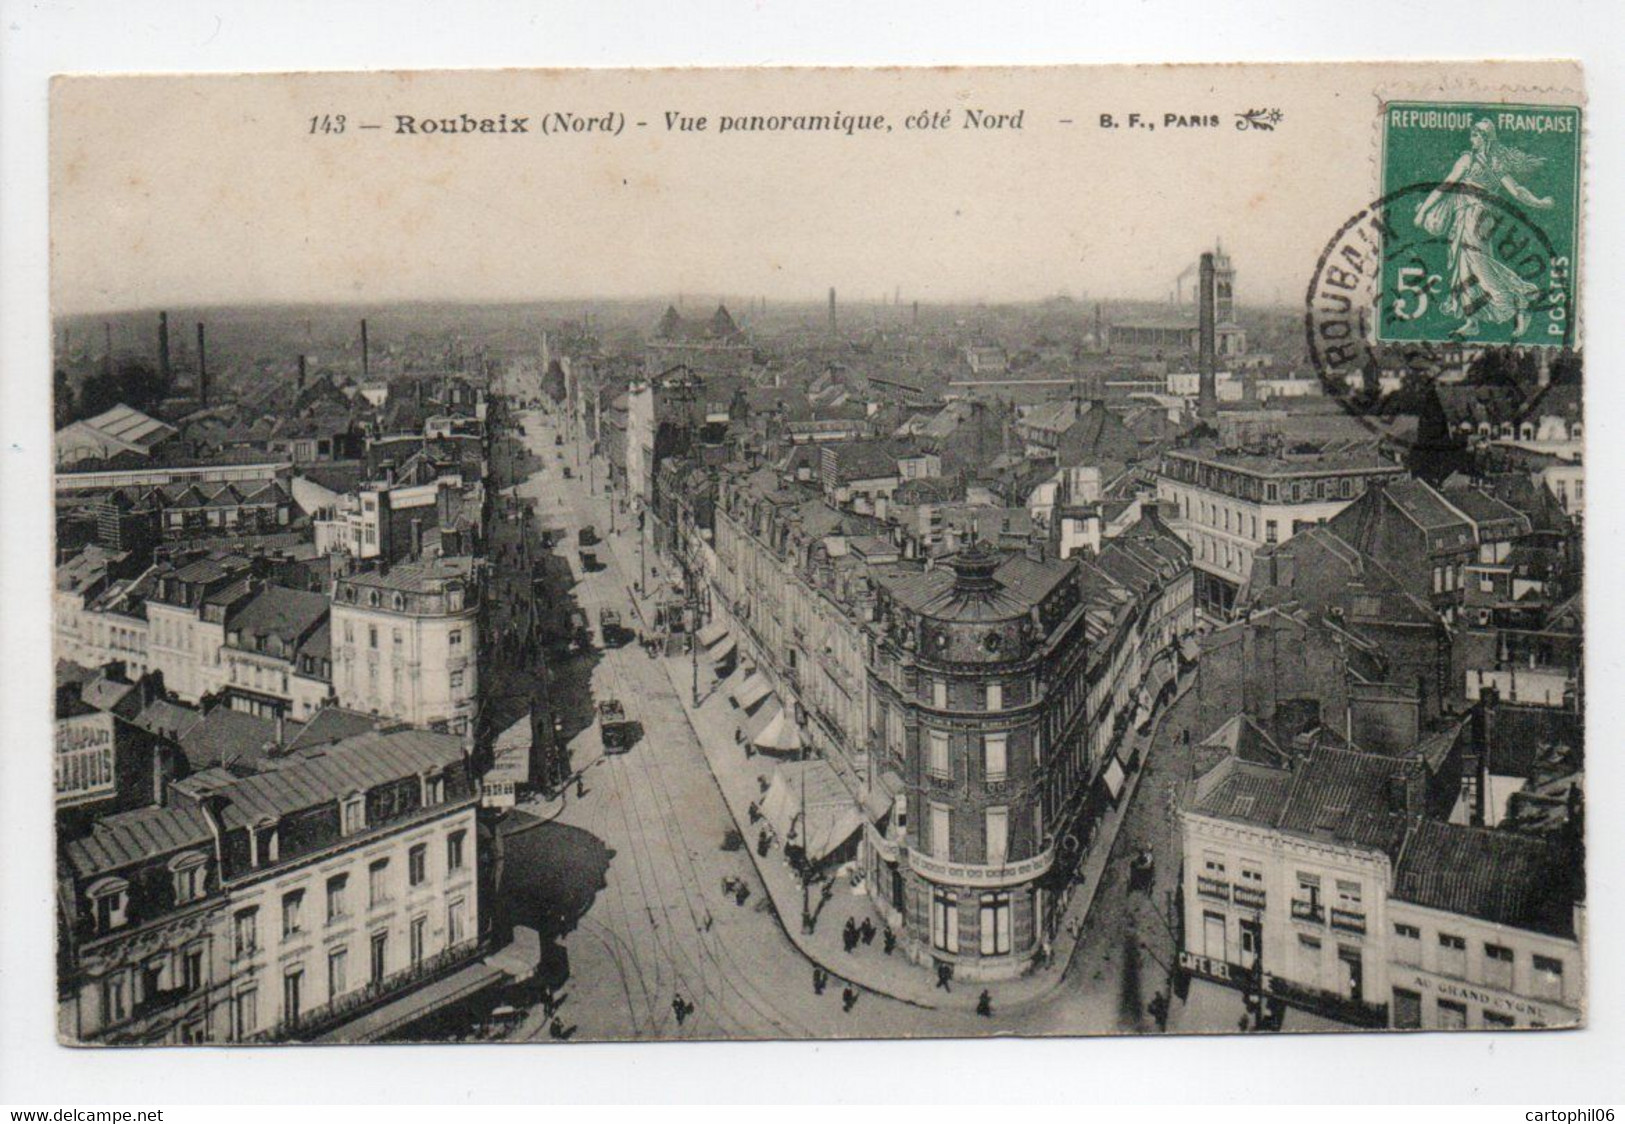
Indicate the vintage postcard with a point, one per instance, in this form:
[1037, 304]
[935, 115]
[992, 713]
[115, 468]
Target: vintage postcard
[799, 554]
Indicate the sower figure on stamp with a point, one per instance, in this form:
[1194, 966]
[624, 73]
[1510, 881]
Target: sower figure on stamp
[1481, 285]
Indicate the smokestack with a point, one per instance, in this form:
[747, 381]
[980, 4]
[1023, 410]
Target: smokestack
[832, 322]
[417, 538]
[163, 347]
[365, 365]
[301, 372]
[916, 314]
[107, 362]
[202, 368]
[1100, 333]
[1207, 402]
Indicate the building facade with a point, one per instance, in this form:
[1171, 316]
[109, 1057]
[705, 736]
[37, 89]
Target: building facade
[404, 642]
[977, 674]
[271, 906]
[1231, 502]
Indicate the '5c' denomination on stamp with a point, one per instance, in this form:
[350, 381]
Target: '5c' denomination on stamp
[1483, 249]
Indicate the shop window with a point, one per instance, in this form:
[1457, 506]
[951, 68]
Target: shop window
[1407, 1009]
[1494, 1021]
[995, 923]
[1452, 1015]
[945, 921]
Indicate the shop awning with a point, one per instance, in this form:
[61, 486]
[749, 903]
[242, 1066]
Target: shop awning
[882, 798]
[779, 735]
[510, 753]
[725, 648]
[751, 692]
[756, 723]
[1112, 778]
[832, 817]
[711, 633]
[1189, 649]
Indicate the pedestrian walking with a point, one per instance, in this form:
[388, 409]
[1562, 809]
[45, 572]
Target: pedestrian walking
[741, 892]
[555, 1029]
[849, 935]
[754, 812]
[867, 931]
[820, 980]
[888, 940]
[984, 1004]
[581, 785]
[680, 1007]
[849, 999]
[763, 844]
[945, 973]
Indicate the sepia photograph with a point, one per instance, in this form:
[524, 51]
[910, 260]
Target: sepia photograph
[630, 555]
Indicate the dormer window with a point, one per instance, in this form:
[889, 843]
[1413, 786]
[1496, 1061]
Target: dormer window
[110, 899]
[373, 599]
[454, 598]
[434, 791]
[355, 814]
[188, 871]
[399, 603]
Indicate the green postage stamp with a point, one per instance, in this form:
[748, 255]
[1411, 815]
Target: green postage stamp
[1480, 223]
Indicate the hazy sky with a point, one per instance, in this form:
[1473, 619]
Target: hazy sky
[205, 190]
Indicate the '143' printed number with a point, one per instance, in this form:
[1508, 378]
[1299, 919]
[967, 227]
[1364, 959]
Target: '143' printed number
[327, 123]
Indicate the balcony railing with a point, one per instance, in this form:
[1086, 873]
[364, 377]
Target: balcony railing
[352, 1004]
[1216, 888]
[1348, 921]
[1308, 911]
[1249, 897]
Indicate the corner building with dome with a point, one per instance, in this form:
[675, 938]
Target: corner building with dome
[979, 696]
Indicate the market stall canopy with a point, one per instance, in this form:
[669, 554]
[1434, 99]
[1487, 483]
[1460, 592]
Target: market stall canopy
[760, 721]
[723, 649]
[751, 692]
[779, 735]
[712, 632]
[832, 814]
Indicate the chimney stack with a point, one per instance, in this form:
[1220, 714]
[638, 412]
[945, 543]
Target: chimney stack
[916, 314]
[1207, 401]
[163, 347]
[365, 364]
[202, 368]
[301, 372]
[107, 363]
[832, 322]
[1100, 334]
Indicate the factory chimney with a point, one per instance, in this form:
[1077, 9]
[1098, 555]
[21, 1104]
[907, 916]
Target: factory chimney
[832, 323]
[301, 373]
[1100, 332]
[1207, 401]
[202, 368]
[916, 314]
[107, 361]
[365, 365]
[163, 347]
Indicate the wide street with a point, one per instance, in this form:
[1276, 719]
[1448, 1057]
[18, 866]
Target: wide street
[624, 875]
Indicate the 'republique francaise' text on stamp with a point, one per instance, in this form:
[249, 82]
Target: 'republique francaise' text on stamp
[1479, 244]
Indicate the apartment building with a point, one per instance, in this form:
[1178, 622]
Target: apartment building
[1232, 501]
[274, 905]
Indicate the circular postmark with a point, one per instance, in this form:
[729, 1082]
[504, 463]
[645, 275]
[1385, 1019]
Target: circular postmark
[1391, 291]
